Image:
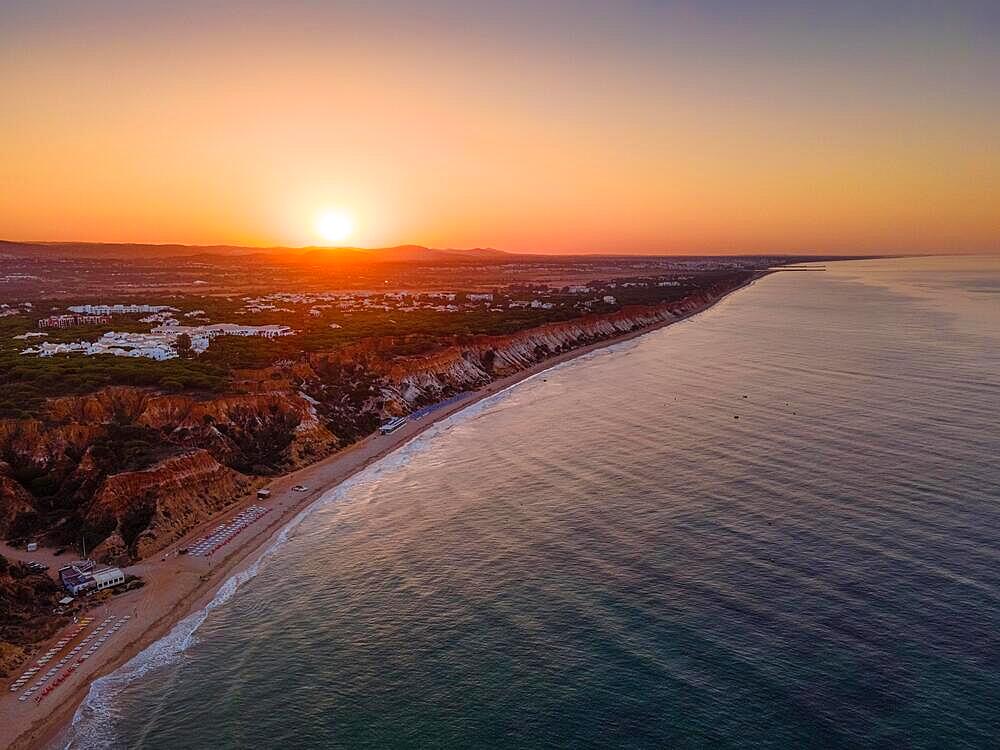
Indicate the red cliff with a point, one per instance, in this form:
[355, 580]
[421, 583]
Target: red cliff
[131, 469]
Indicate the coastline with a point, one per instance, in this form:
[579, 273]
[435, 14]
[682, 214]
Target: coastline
[179, 586]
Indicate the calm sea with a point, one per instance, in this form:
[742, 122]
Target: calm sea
[605, 556]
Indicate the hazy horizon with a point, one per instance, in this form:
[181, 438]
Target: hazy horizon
[354, 247]
[561, 127]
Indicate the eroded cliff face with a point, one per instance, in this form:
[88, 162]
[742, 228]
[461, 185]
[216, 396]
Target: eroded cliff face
[26, 603]
[466, 365]
[128, 470]
[131, 470]
[150, 508]
[14, 499]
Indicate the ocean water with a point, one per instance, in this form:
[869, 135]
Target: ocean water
[605, 556]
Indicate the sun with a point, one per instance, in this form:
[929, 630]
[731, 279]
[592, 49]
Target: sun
[334, 226]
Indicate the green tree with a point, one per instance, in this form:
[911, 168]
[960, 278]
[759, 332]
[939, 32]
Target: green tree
[183, 345]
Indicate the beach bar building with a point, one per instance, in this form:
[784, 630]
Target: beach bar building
[80, 577]
[76, 578]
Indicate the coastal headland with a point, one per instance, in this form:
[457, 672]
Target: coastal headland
[177, 585]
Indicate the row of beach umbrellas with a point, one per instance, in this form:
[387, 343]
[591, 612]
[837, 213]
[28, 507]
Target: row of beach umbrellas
[224, 533]
[90, 643]
[50, 654]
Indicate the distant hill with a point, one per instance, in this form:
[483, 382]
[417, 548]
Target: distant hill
[398, 254]
[121, 250]
[402, 254]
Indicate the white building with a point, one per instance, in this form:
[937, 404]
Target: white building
[159, 344]
[104, 579]
[118, 309]
[159, 317]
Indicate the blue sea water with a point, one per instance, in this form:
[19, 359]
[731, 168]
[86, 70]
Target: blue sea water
[605, 556]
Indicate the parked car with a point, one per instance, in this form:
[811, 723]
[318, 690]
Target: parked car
[299, 488]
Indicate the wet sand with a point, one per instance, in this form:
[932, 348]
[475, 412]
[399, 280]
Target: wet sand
[183, 584]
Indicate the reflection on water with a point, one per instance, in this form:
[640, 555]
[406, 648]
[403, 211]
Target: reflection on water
[966, 288]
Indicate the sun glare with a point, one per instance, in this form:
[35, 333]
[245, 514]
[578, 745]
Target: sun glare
[334, 226]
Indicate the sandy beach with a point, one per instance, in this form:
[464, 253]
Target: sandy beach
[177, 585]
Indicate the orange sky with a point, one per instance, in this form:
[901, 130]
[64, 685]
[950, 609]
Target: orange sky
[556, 127]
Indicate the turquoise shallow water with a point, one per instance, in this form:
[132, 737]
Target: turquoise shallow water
[605, 557]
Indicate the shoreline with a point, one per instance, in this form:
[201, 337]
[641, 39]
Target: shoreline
[179, 586]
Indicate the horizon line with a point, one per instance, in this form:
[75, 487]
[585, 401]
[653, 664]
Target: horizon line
[479, 248]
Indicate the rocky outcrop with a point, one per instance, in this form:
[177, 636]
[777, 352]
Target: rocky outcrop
[14, 499]
[151, 508]
[26, 603]
[127, 469]
[31, 444]
[469, 364]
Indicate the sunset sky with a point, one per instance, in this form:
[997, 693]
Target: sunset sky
[617, 126]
